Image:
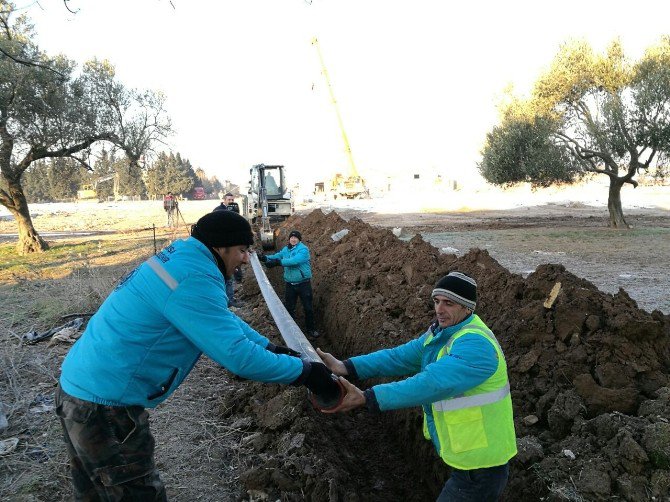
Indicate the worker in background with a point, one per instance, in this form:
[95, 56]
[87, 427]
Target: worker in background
[271, 186]
[295, 259]
[170, 207]
[228, 204]
[143, 342]
[458, 374]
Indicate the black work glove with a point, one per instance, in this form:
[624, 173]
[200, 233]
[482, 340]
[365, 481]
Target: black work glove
[280, 349]
[263, 258]
[272, 263]
[321, 382]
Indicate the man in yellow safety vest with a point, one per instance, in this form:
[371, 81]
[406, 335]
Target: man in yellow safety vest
[457, 372]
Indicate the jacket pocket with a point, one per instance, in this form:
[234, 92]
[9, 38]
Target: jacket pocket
[165, 387]
[466, 429]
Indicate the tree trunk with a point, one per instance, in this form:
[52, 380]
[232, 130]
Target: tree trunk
[614, 204]
[29, 240]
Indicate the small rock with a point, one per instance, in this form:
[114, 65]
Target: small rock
[528, 360]
[241, 423]
[338, 235]
[530, 420]
[251, 437]
[569, 454]
[8, 445]
[257, 495]
[290, 442]
[449, 250]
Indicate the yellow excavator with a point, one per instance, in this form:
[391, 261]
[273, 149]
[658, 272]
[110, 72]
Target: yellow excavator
[90, 192]
[353, 185]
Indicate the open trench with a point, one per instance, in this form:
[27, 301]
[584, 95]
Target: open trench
[589, 373]
[301, 454]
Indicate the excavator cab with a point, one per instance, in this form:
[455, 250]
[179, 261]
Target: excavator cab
[269, 200]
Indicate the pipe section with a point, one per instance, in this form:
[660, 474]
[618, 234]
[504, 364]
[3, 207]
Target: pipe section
[289, 330]
[292, 335]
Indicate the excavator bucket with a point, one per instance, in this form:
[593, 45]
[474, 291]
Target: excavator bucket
[267, 240]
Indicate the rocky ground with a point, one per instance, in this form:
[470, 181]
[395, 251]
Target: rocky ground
[589, 370]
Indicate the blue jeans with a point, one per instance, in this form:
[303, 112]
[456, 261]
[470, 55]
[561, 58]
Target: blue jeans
[476, 485]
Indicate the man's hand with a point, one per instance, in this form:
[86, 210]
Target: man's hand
[270, 263]
[263, 258]
[334, 364]
[353, 399]
[280, 349]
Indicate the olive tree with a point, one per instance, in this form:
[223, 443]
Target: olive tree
[588, 114]
[48, 109]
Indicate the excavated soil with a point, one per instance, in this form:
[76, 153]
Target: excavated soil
[589, 371]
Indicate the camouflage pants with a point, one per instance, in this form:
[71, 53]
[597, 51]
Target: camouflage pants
[111, 451]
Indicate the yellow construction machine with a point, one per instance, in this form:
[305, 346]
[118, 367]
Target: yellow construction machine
[90, 192]
[351, 186]
[87, 192]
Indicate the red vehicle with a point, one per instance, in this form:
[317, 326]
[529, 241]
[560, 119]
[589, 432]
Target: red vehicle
[199, 193]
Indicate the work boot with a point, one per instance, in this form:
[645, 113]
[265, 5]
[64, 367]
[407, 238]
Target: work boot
[313, 334]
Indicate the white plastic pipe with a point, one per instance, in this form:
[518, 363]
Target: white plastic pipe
[289, 330]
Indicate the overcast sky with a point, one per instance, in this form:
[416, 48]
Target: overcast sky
[417, 82]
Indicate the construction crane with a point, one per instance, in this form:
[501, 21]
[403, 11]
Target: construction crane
[353, 185]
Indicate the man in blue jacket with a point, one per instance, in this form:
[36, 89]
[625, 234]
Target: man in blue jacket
[458, 375]
[295, 259]
[229, 204]
[143, 342]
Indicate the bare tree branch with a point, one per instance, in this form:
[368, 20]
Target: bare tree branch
[65, 2]
[82, 162]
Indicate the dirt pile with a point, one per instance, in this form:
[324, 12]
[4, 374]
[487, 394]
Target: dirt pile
[589, 373]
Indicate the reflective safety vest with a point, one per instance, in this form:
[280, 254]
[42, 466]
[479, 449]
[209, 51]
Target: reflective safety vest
[476, 429]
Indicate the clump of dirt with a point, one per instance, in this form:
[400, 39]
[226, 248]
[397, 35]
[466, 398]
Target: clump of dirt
[589, 373]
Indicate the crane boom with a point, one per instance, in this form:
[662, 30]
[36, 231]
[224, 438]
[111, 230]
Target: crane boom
[352, 167]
